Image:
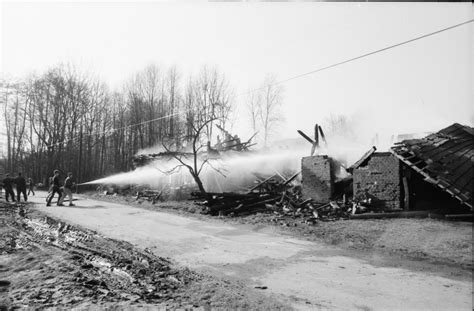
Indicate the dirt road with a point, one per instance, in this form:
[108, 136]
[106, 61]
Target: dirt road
[306, 275]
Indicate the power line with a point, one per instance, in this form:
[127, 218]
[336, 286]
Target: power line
[116, 129]
[289, 79]
[359, 57]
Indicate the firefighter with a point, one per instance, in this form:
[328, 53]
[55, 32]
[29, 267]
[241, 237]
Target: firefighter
[8, 185]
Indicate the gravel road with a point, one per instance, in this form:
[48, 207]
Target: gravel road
[303, 274]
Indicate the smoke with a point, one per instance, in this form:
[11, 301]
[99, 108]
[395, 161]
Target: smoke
[232, 172]
[347, 141]
[154, 149]
[242, 170]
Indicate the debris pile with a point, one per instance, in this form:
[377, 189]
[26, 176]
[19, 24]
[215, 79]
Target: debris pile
[231, 203]
[275, 195]
[293, 204]
[145, 159]
[166, 193]
[149, 195]
[227, 144]
[378, 185]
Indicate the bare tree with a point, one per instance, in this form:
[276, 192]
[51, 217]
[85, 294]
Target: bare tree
[193, 162]
[254, 105]
[67, 112]
[173, 99]
[206, 101]
[340, 126]
[118, 140]
[210, 95]
[14, 111]
[269, 112]
[67, 119]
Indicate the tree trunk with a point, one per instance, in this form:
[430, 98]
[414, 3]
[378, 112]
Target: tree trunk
[199, 183]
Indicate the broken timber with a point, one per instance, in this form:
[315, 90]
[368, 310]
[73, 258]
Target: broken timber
[359, 162]
[150, 195]
[444, 159]
[404, 214]
[314, 143]
[270, 195]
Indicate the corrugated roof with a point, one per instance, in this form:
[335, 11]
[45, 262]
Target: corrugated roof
[445, 159]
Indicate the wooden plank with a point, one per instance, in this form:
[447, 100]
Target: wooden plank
[245, 207]
[417, 162]
[316, 135]
[248, 141]
[261, 183]
[322, 136]
[460, 216]
[404, 214]
[406, 199]
[313, 149]
[305, 137]
[291, 178]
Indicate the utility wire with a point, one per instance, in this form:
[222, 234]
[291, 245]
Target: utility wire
[291, 78]
[359, 57]
[116, 129]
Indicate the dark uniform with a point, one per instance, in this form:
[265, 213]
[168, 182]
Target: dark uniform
[1, 186]
[20, 187]
[56, 189]
[8, 185]
[31, 186]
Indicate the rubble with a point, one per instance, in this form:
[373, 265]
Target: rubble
[278, 196]
[379, 183]
[150, 195]
[231, 142]
[228, 144]
[145, 159]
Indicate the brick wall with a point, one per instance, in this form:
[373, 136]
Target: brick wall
[317, 178]
[379, 180]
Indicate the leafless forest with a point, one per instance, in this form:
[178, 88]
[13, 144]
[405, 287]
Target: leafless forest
[70, 120]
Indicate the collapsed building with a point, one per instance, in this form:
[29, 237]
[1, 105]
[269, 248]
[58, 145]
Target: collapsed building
[318, 177]
[442, 161]
[434, 172]
[376, 181]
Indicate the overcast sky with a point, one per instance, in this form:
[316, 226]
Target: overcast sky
[422, 86]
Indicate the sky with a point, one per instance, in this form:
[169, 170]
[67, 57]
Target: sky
[422, 86]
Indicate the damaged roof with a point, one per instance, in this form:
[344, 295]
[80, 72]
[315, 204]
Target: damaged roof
[362, 161]
[444, 158]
